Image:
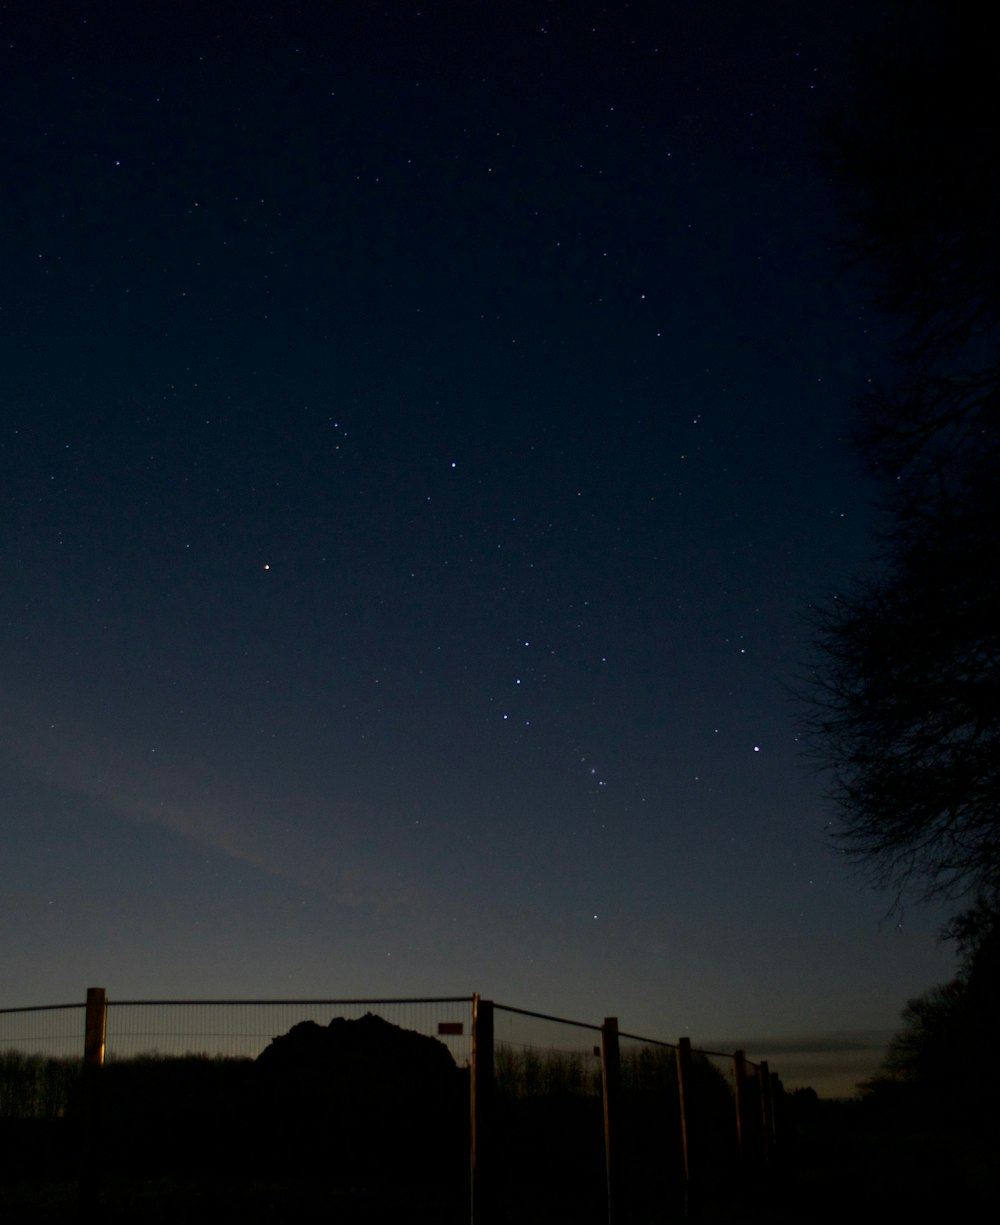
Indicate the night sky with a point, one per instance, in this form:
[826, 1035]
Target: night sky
[422, 439]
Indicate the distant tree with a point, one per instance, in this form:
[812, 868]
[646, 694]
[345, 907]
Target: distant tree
[924, 1049]
[904, 703]
[943, 1055]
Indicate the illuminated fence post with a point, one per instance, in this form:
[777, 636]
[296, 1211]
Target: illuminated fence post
[611, 1083]
[96, 1027]
[95, 1032]
[482, 1107]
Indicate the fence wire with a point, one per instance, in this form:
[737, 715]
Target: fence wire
[541, 1056]
[181, 1077]
[549, 1117]
[648, 1154]
[243, 1028]
[54, 1030]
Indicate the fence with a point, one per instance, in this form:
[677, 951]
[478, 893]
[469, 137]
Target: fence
[565, 1119]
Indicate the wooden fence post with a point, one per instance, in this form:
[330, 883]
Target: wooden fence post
[482, 1108]
[766, 1110]
[610, 1084]
[685, 1089]
[777, 1100]
[742, 1105]
[96, 1027]
[95, 1031]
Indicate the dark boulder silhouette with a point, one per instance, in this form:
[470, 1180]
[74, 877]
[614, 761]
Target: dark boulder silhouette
[360, 1107]
[369, 1049]
[362, 1098]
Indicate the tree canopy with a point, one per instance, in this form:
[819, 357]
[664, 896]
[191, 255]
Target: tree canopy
[905, 702]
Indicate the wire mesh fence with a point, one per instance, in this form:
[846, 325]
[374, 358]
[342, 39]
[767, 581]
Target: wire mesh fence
[713, 1137]
[52, 1030]
[358, 1103]
[536, 1055]
[561, 1119]
[648, 1157]
[548, 1117]
[754, 1112]
[244, 1028]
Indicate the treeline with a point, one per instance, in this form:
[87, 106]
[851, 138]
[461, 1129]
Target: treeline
[36, 1086]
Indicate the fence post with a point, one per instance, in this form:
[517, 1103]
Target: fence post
[610, 1084]
[96, 1027]
[685, 1089]
[743, 1125]
[95, 1031]
[766, 1110]
[482, 1108]
[777, 1112]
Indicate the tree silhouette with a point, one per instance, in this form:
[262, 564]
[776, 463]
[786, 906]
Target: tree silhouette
[939, 1065]
[904, 708]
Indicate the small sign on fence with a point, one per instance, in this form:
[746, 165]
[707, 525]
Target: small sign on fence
[451, 1027]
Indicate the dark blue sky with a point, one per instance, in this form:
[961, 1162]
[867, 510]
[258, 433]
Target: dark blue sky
[421, 439]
